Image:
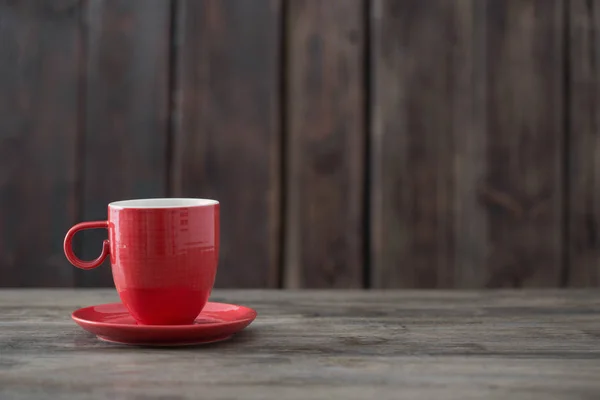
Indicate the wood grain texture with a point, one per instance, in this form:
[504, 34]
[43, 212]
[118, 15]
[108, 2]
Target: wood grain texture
[319, 345]
[40, 58]
[227, 134]
[325, 144]
[467, 137]
[584, 144]
[422, 81]
[523, 187]
[126, 113]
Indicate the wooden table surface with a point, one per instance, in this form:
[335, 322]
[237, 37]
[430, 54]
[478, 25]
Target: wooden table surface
[318, 345]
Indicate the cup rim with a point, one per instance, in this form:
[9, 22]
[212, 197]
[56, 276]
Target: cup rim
[162, 203]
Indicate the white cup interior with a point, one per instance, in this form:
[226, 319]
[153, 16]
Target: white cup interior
[162, 203]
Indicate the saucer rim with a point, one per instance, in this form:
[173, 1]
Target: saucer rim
[252, 316]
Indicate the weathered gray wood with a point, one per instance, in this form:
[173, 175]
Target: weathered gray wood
[467, 139]
[584, 145]
[325, 144]
[421, 56]
[522, 188]
[40, 60]
[319, 344]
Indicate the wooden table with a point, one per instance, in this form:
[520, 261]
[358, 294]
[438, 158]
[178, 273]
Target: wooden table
[319, 344]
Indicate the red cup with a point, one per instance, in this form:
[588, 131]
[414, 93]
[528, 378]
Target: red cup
[164, 255]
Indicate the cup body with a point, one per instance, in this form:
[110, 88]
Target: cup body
[164, 256]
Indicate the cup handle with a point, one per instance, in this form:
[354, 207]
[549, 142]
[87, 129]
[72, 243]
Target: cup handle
[68, 245]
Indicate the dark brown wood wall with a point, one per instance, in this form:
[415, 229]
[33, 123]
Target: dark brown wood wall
[351, 143]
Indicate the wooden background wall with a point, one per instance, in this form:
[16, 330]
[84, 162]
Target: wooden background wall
[351, 143]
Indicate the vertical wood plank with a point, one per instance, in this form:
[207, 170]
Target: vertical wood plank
[40, 57]
[420, 104]
[467, 138]
[524, 183]
[584, 144]
[325, 144]
[126, 114]
[226, 136]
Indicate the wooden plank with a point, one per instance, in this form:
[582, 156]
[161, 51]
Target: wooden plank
[313, 344]
[126, 114]
[584, 144]
[40, 57]
[226, 136]
[467, 133]
[523, 187]
[325, 144]
[422, 80]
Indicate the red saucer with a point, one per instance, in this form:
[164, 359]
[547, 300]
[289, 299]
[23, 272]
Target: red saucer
[113, 323]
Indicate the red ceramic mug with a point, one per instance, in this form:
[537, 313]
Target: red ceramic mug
[164, 255]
